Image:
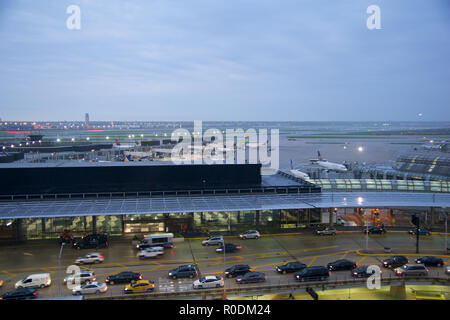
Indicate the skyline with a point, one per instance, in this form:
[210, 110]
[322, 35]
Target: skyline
[176, 61]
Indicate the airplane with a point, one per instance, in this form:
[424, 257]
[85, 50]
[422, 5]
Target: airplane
[329, 166]
[298, 174]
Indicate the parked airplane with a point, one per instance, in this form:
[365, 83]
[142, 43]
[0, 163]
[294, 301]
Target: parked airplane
[329, 166]
[298, 174]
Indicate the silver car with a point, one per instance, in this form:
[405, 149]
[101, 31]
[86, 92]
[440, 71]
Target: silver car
[411, 270]
[90, 288]
[326, 231]
[209, 282]
[84, 276]
[250, 234]
[90, 258]
[213, 241]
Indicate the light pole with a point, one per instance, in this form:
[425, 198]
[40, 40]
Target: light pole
[224, 295]
[59, 266]
[446, 243]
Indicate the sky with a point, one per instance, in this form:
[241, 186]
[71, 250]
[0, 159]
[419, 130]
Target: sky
[213, 60]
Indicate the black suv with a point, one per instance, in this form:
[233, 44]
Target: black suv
[183, 271]
[375, 230]
[237, 270]
[291, 267]
[250, 277]
[343, 264]
[92, 241]
[430, 261]
[312, 274]
[361, 272]
[124, 277]
[395, 262]
[229, 247]
[421, 231]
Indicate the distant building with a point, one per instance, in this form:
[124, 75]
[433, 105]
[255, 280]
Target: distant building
[86, 120]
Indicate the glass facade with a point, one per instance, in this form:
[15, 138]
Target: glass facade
[199, 223]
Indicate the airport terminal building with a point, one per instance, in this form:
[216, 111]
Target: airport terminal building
[41, 200]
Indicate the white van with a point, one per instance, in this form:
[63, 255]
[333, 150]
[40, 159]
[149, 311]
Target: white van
[163, 239]
[40, 280]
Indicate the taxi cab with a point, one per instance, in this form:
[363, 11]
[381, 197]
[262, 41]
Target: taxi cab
[139, 286]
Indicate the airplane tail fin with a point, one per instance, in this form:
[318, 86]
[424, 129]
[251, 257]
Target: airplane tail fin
[292, 167]
[318, 155]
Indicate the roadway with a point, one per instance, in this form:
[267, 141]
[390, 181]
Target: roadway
[263, 255]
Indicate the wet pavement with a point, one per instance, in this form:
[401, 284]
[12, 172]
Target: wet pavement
[263, 255]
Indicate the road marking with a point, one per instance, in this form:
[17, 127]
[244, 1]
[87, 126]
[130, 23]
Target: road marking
[320, 248]
[312, 261]
[11, 275]
[361, 260]
[344, 255]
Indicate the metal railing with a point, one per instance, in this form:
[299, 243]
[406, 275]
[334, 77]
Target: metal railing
[272, 287]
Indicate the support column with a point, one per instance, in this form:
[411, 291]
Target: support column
[331, 212]
[257, 218]
[94, 224]
[433, 216]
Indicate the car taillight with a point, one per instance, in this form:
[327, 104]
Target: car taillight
[427, 270]
[238, 247]
[140, 277]
[35, 293]
[265, 277]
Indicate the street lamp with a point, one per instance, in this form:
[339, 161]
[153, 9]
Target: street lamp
[59, 265]
[224, 295]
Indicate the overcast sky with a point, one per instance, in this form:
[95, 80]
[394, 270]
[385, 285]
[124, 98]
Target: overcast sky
[297, 60]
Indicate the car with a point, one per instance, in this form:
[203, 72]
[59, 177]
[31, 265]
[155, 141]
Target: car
[325, 232]
[250, 277]
[342, 264]
[411, 270]
[208, 282]
[421, 231]
[237, 270]
[20, 294]
[213, 241]
[184, 271]
[250, 234]
[84, 276]
[90, 288]
[362, 272]
[123, 277]
[290, 267]
[395, 262]
[447, 270]
[90, 258]
[375, 230]
[229, 248]
[150, 253]
[92, 241]
[316, 273]
[430, 261]
[38, 280]
[139, 286]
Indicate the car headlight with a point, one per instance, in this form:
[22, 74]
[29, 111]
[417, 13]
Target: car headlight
[170, 273]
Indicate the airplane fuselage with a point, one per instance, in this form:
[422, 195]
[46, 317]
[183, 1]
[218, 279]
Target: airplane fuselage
[332, 166]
